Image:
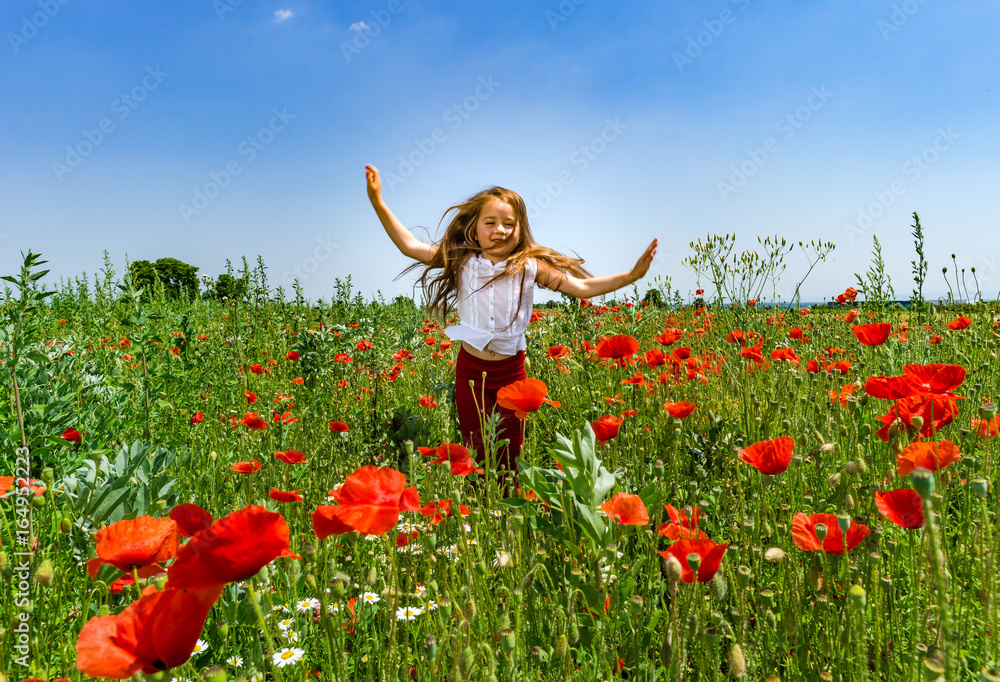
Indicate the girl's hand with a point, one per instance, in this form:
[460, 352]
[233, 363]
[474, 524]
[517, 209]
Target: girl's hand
[639, 271]
[374, 184]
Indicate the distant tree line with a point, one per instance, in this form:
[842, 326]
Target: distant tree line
[177, 279]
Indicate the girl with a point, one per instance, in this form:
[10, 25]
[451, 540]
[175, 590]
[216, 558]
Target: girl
[486, 265]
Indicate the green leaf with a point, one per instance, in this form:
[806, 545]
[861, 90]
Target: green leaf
[106, 501]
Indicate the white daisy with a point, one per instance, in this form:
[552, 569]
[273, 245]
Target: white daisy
[372, 538]
[287, 656]
[408, 612]
[468, 528]
[235, 661]
[285, 624]
[432, 605]
[200, 647]
[333, 608]
[419, 591]
[280, 607]
[370, 598]
[306, 604]
[291, 635]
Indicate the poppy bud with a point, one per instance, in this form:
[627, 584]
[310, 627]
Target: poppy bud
[3, 561]
[468, 662]
[66, 524]
[857, 596]
[718, 586]
[666, 649]
[311, 581]
[215, 674]
[47, 474]
[851, 467]
[561, 647]
[213, 455]
[223, 630]
[737, 662]
[672, 567]
[923, 483]
[469, 609]
[38, 501]
[45, 573]
[917, 422]
[834, 480]
[160, 582]
[527, 363]
[775, 555]
[849, 502]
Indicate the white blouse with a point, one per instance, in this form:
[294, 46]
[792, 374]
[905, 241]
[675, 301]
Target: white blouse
[489, 313]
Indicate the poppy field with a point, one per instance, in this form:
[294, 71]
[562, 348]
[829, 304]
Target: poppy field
[258, 488]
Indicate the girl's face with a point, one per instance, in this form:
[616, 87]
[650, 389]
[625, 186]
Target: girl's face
[497, 230]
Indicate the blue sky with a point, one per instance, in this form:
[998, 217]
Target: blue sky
[213, 130]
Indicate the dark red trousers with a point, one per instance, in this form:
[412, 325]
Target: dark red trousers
[499, 373]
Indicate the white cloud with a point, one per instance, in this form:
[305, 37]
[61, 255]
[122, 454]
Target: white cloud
[282, 14]
[359, 26]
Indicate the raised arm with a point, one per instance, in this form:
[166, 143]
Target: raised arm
[556, 280]
[400, 236]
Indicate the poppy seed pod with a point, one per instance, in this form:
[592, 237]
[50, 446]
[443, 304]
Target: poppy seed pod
[844, 521]
[743, 576]
[507, 640]
[820, 530]
[990, 675]
[858, 596]
[923, 483]
[988, 411]
[431, 647]
[215, 674]
[979, 487]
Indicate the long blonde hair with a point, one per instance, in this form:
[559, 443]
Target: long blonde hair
[460, 243]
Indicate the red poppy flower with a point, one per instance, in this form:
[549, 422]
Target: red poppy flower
[135, 543]
[190, 519]
[369, 502]
[342, 358]
[654, 358]
[246, 467]
[711, 558]
[256, 369]
[873, 334]
[285, 495]
[851, 316]
[72, 435]
[841, 366]
[291, 457]
[233, 549]
[784, 354]
[813, 366]
[339, 427]
[251, 398]
[524, 396]
[298, 381]
[445, 345]
[627, 510]
[888, 388]
[620, 347]
[934, 378]
[770, 456]
[804, 534]
[903, 507]
[363, 345]
[156, 632]
[842, 397]
[459, 457]
[33, 485]
[736, 336]
[930, 456]
[292, 356]
[606, 428]
[427, 452]
[681, 526]
[637, 380]
[988, 428]
[556, 352]
[197, 418]
[118, 586]
[679, 410]
[252, 421]
[435, 507]
[670, 336]
[936, 411]
[753, 353]
[961, 323]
